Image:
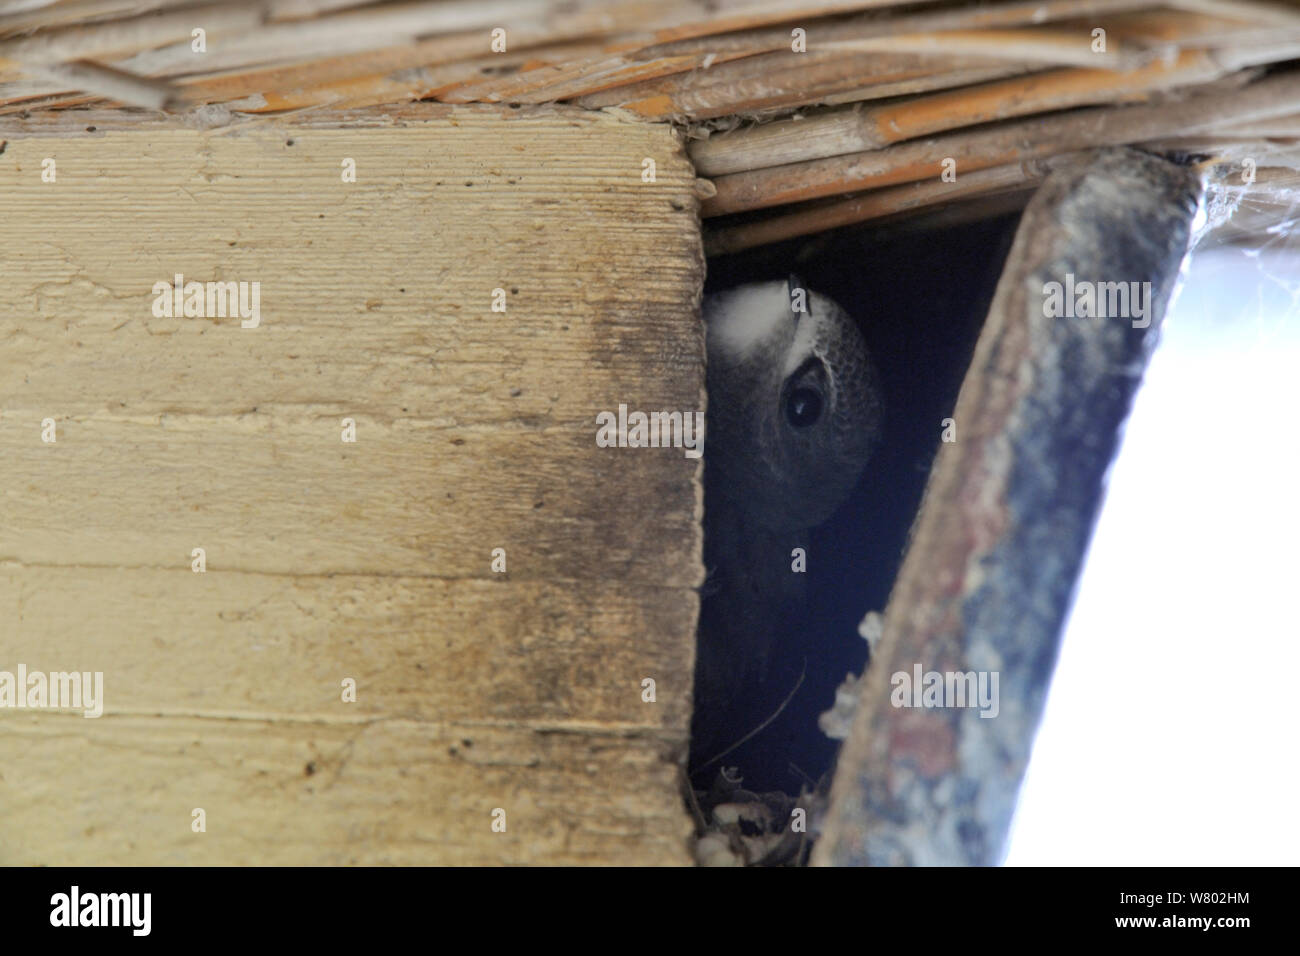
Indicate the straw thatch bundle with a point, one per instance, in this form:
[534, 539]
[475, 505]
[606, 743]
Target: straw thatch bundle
[804, 114]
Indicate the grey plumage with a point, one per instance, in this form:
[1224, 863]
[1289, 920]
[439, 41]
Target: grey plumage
[794, 413]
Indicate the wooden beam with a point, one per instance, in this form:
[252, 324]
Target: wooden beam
[328, 560]
[992, 563]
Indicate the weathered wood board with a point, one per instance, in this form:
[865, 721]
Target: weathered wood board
[998, 547]
[325, 559]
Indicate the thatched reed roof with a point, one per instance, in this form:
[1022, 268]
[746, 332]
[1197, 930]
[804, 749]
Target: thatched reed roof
[803, 114]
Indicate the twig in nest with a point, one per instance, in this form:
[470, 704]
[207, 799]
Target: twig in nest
[775, 714]
[701, 825]
[807, 779]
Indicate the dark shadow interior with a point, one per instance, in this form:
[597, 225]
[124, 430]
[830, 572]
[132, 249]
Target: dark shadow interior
[919, 297]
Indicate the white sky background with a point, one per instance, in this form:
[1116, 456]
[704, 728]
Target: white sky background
[1172, 730]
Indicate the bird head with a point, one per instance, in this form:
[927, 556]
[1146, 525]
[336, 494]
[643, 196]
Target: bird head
[794, 402]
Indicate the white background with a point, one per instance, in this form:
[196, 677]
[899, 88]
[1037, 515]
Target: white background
[1172, 731]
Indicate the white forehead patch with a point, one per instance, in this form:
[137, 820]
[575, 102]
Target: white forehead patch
[746, 317]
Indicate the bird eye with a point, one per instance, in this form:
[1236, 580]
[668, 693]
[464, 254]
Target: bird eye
[803, 406]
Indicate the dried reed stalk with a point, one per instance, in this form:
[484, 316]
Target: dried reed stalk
[103, 81]
[1056, 48]
[99, 41]
[1012, 142]
[782, 80]
[857, 130]
[876, 204]
[728, 46]
[1277, 14]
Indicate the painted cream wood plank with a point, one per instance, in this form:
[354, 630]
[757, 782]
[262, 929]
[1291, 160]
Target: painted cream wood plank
[326, 560]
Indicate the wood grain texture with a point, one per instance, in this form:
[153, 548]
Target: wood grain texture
[328, 560]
